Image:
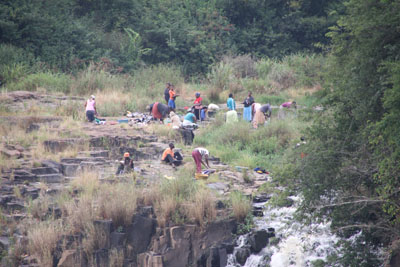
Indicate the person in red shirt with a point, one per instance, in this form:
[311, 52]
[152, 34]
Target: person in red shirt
[198, 106]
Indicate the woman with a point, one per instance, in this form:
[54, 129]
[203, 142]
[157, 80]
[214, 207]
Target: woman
[230, 103]
[260, 115]
[175, 120]
[171, 101]
[247, 107]
[159, 111]
[198, 155]
[91, 108]
[198, 105]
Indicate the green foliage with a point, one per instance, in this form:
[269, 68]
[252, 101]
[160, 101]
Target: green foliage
[44, 80]
[351, 171]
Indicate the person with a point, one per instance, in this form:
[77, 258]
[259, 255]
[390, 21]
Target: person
[159, 111]
[289, 105]
[175, 120]
[247, 107]
[260, 115]
[230, 103]
[126, 165]
[90, 107]
[203, 113]
[212, 110]
[171, 157]
[231, 116]
[172, 97]
[198, 155]
[198, 105]
[254, 108]
[166, 92]
[189, 119]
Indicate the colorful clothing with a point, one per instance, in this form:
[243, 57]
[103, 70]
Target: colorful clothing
[197, 107]
[259, 118]
[247, 113]
[190, 117]
[287, 104]
[167, 151]
[230, 103]
[90, 105]
[197, 155]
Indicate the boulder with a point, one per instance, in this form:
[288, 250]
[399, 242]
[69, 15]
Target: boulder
[51, 178]
[104, 227]
[139, 233]
[241, 255]
[44, 170]
[150, 259]
[101, 153]
[70, 169]
[258, 211]
[258, 240]
[261, 198]
[52, 164]
[117, 239]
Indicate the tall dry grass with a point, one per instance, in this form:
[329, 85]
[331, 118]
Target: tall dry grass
[241, 205]
[201, 208]
[43, 237]
[118, 203]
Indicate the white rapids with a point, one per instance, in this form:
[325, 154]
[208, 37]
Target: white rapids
[299, 244]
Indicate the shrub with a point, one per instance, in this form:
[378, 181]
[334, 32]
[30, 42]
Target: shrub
[241, 205]
[43, 237]
[86, 181]
[80, 213]
[243, 65]
[281, 76]
[49, 81]
[221, 77]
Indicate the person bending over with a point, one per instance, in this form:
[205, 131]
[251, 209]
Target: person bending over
[159, 111]
[90, 107]
[199, 154]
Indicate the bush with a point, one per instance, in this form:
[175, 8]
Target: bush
[221, 78]
[43, 80]
[243, 65]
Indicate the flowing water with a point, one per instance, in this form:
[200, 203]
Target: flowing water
[299, 245]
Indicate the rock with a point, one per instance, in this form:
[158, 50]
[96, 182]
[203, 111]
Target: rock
[102, 153]
[258, 211]
[52, 164]
[261, 198]
[44, 170]
[104, 227]
[187, 136]
[73, 160]
[70, 169]
[217, 258]
[146, 211]
[55, 211]
[150, 259]
[11, 153]
[258, 240]
[15, 205]
[139, 233]
[51, 178]
[221, 187]
[117, 239]
[271, 232]
[100, 258]
[241, 255]
[24, 175]
[68, 258]
[32, 127]
[21, 95]
[220, 205]
[229, 247]
[4, 243]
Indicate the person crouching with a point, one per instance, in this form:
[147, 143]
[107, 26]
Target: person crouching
[171, 157]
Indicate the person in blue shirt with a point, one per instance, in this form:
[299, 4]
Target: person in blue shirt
[230, 103]
[189, 119]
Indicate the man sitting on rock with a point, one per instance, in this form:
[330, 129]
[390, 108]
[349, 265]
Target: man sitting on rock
[125, 165]
[171, 157]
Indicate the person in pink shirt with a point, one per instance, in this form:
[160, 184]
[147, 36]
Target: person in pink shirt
[288, 105]
[91, 108]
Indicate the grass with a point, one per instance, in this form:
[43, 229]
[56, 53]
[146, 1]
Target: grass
[43, 237]
[241, 205]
